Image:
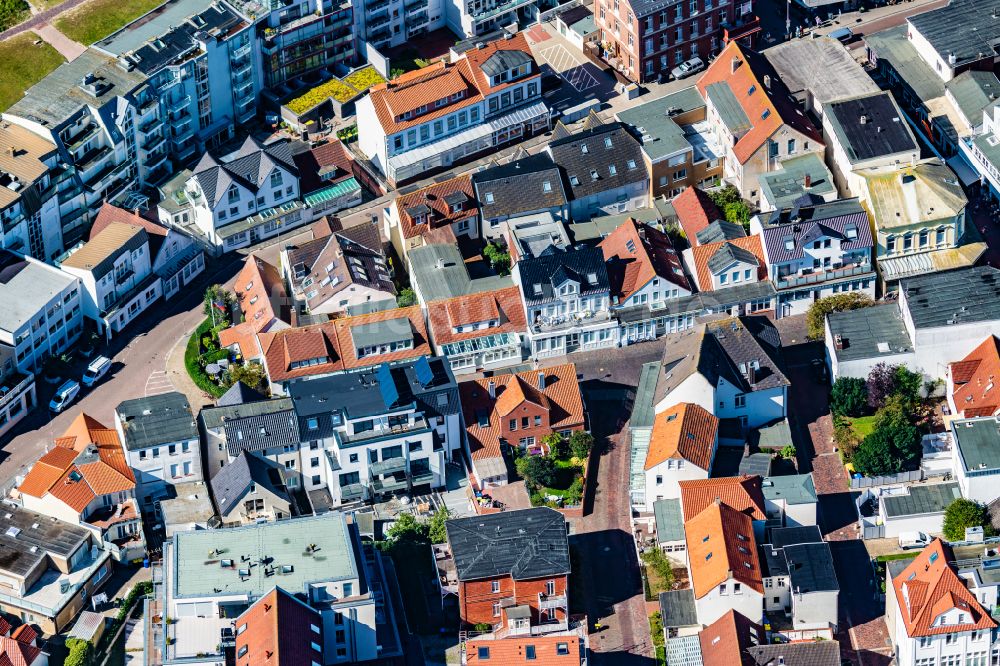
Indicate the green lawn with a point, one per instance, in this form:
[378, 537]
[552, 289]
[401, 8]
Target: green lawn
[13, 12]
[96, 19]
[22, 65]
[863, 425]
[42, 5]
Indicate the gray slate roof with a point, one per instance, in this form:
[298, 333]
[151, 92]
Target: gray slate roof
[965, 29]
[730, 111]
[585, 153]
[653, 122]
[519, 187]
[870, 126]
[231, 483]
[677, 608]
[720, 230]
[524, 544]
[973, 92]
[250, 166]
[669, 520]
[793, 489]
[784, 186]
[157, 419]
[863, 331]
[834, 220]
[810, 568]
[812, 653]
[440, 272]
[727, 255]
[551, 270]
[789, 536]
[962, 296]
[922, 500]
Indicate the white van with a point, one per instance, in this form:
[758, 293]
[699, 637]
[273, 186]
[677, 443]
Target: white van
[65, 394]
[97, 369]
[913, 540]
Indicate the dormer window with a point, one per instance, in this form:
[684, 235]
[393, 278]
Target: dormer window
[594, 175]
[851, 232]
[234, 194]
[583, 149]
[546, 186]
[573, 180]
[489, 197]
[789, 243]
[613, 170]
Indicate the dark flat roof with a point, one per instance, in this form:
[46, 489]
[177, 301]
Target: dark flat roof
[962, 296]
[677, 608]
[870, 126]
[157, 419]
[525, 544]
[810, 567]
[22, 530]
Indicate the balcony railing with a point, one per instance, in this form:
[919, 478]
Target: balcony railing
[13, 390]
[352, 491]
[241, 51]
[387, 466]
[178, 104]
[419, 423]
[83, 136]
[151, 144]
[559, 322]
[549, 601]
[821, 276]
[93, 158]
[388, 485]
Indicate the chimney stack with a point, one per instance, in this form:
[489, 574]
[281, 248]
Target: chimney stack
[541, 381]
[809, 180]
[492, 388]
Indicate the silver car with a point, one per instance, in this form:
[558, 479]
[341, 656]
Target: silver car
[687, 68]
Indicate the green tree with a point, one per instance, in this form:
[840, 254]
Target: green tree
[816, 315]
[873, 457]
[406, 298]
[536, 470]
[739, 213]
[845, 438]
[498, 257]
[217, 301]
[893, 420]
[849, 397]
[656, 561]
[251, 374]
[907, 386]
[81, 652]
[963, 513]
[556, 444]
[788, 452]
[580, 444]
[437, 530]
[12, 12]
[407, 529]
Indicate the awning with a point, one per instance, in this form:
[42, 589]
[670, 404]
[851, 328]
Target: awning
[965, 173]
[931, 262]
[344, 187]
[489, 468]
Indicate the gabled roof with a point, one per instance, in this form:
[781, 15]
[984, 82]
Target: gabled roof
[250, 166]
[231, 483]
[742, 249]
[19, 648]
[548, 650]
[110, 214]
[742, 493]
[929, 587]
[483, 414]
[720, 230]
[526, 185]
[695, 210]
[599, 158]
[685, 431]
[277, 632]
[636, 253]
[542, 275]
[760, 97]
[787, 235]
[438, 215]
[97, 256]
[502, 305]
[726, 640]
[721, 546]
[524, 544]
[323, 166]
[87, 461]
[974, 377]
[259, 288]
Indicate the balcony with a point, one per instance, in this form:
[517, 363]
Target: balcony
[422, 478]
[419, 424]
[411, 7]
[241, 51]
[151, 144]
[93, 158]
[416, 21]
[742, 27]
[352, 491]
[14, 386]
[375, 7]
[548, 602]
[387, 466]
[501, 9]
[389, 485]
[791, 281]
[87, 133]
[561, 322]
[150, 125]
[178, 104]
[379, 22]
[155, 159]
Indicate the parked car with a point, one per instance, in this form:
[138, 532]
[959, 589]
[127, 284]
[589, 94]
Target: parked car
[65, 395]
[913, 540]
[688, 67]
[97, 369]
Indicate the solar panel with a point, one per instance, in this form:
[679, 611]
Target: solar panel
[387, 386]
[424, 373]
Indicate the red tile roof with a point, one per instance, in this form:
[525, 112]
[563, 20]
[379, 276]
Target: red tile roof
[976, 380]
[702, 253]
[929, 587]
[768, 107]
[504, 305]
[721, 546]
[742, 493]
[695, 210]
[437, 81]
[685, 431]
[332, 340]
[75, 476]
[512, 651]
[148, 220]
[17, 653]
[278, 632]
[637, 253]
[437, 225]
[259, 288]
[561, 396]
[724, 642]
[323, 166]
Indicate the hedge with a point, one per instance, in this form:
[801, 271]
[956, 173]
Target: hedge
[192, 355]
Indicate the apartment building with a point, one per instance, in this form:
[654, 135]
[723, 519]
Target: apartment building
[438, 214]
[481, 331]
[51, 569]
[162, 445]
[251, 489]
[115, 270]
[211, 608]
[42, 310]
[274, 631]
[515, 193]
[799, 578]
[85, 480]
[567, 302]
[816, 251]
[239, 198]
[525, 575]
[29, 209]
[444, 113]
[682, 446]
[753, 118]
[645, 40]
[390, 23]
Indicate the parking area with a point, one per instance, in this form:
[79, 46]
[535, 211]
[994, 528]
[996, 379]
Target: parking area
[573, 69]
[581, 79]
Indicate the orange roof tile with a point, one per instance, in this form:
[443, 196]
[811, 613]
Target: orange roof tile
[512, 651]
[14, 652]
[685, 431]
[768, 107]
[243, 337]
[702, 253]
[637, 253]
[437, 225]
[695, 210]
[258, 288]
[725, 641]
[562, 395]
[47, 471]
[446, 316]
[276, 632]
[742, 493]
[929, 587]
[721, 546]
[976, 380]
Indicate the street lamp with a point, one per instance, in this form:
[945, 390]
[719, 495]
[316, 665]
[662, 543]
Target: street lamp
[788, 19]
